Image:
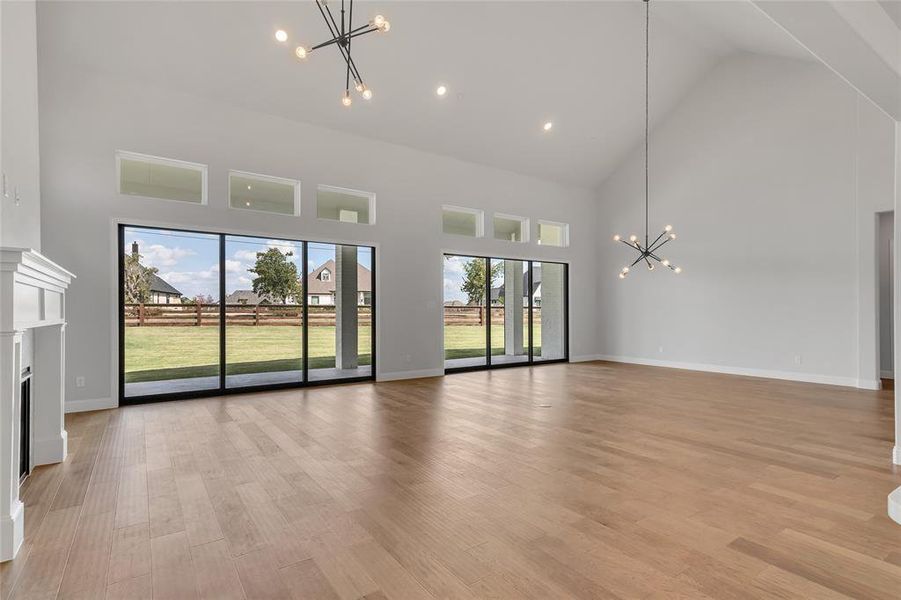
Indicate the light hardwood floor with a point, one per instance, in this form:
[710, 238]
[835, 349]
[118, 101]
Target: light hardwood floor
[563, 481]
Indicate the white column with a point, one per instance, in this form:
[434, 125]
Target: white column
[49, 395]
[513, 312]
[346, 321]
[12, 514]
[552, 308]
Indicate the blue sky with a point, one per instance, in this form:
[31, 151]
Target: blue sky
[190, 261]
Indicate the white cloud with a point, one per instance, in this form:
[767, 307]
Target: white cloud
[159, 256]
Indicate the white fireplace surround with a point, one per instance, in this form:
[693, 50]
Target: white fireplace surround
[32, 297]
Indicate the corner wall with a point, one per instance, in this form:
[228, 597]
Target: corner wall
[86, 117]
[20, 224]
[772, 172]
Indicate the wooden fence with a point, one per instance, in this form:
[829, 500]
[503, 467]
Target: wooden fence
[207, 315]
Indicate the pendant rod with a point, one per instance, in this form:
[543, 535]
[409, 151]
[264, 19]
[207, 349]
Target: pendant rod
[647, 62]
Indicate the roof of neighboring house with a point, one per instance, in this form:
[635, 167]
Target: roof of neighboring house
[536, 283]
[157, 284]
[245, 297]
[317, 286]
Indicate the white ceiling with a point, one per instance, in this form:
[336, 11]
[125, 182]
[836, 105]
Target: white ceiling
[893, 9]
[509, 66]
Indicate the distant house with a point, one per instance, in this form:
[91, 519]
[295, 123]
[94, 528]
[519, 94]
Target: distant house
[322, 289]
[163, 293]
[248, 297]
[497, 293]
[160, 291]
[321, 283]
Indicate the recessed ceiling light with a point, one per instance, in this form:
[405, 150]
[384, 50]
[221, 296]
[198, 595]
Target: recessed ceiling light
[281, 35]
[442, 90]
[548, 126]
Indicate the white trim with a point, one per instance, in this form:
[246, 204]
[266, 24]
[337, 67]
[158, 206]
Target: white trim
[74, 406]
[564, 233]
[896, 455]
[169, 162]
[747, 372]
[350, 192]
[50, 451]
[524, 227]
[478, 213]
[894, 505]
[397, 375]
[586, 358]
[295, 183]
[887, 374]
[12, 531]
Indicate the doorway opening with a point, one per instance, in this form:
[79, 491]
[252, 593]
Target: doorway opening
[885, 259]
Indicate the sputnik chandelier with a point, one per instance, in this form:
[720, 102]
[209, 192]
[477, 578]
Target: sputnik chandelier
[649, 252]
[342, 33]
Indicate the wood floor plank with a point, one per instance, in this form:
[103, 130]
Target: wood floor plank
[626, 482]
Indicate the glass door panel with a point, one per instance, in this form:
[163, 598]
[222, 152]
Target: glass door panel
[509, 312]
[465, 311]
[263, 312]
[171, 307]
[339, 300]
[548, 311]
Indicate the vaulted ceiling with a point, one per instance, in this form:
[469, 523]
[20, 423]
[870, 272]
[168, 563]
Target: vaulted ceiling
[509, 68]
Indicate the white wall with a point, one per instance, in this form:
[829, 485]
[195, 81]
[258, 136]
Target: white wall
[771, 172]
[20, 225]
[884, 249]
[86, 117]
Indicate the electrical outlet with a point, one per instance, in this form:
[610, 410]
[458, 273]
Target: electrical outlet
[797, 359]
[79, 381]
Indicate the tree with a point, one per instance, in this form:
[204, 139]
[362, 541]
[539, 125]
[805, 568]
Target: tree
[276, 276]
[474, 279]
[137, 279]
[198, 299]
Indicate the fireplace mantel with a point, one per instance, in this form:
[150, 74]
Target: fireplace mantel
[32, 297]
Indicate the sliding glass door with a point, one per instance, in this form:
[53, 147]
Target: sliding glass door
[496, 312]
[263, 312]
[204, 313]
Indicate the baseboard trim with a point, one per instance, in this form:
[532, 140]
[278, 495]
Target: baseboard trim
[896, 455]
[12, 531]
[398, 375]
[894, 506]
[51, 451]
[74, 406]
[887, 374]
[727, 370]
[586, 358]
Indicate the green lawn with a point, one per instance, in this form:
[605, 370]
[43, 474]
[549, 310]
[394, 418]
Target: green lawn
[158, 353]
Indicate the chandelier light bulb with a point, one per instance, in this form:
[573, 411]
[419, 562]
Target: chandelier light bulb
[625, 269]
[301, 52]
[678, 270]
[622, 275]
[359, 86]
[616, 238]
[665, 262]
[281, 35]
[367, 93]
[378, 20]
[442, 90]
[385, 27]
[346, 99]
[668, 228]
[633, 238]
[548, 126]
[650, 266]
[672, 236]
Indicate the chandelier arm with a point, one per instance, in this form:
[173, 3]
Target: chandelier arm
[324, 44]
[359, 32]
[660, 245]
[637, 260]
[338, 32]
[651, 245]
[332, 27]
[350, 24]
[322, 10]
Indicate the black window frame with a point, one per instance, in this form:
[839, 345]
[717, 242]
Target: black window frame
[222, 389]
[531, 362]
